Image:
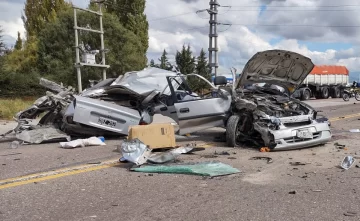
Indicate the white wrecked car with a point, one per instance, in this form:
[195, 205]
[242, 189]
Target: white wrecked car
[263, 110]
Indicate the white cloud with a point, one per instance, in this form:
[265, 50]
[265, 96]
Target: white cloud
[239, 43]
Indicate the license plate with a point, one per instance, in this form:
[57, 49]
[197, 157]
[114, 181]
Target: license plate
[306, 134]
[106, 122]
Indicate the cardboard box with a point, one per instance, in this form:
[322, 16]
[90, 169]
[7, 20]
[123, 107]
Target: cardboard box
[154, 135]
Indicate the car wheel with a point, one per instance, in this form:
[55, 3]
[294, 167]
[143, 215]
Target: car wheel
[232, 131]
[305, 95]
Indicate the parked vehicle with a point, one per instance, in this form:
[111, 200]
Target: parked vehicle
[323, 82]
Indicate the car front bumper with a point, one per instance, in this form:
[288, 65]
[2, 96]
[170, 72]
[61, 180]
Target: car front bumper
[286, 138]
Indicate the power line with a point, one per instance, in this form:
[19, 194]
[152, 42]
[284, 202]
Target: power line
[172, 16]
[296, 10]
[295, 25]
[190, 29]
[293, 6]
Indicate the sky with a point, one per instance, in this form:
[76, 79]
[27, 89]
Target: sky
[324, 30]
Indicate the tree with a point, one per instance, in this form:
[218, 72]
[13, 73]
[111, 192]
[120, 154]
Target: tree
[2, 44]
[152, 63]
[164, 62]
[37, 13]
[203, 69]
[131, 15]
[18, 43]
[57, 54]
[185, 60]
[23, 61]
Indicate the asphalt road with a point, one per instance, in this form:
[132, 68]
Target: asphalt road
[87, 184]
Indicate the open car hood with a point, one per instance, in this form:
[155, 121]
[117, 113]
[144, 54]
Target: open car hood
[279, 67]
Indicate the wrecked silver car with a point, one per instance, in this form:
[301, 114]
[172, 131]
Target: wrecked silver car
[113, 105]
[263, 111]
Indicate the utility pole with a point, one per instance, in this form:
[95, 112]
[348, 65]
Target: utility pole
[213, 48]
[88, 57]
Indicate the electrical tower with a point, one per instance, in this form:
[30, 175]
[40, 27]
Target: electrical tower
[213, 43]
[88, 57]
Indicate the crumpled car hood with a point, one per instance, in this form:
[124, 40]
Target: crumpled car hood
[279, 67]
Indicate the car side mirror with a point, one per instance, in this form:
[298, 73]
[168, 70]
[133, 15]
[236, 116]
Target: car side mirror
[220, 80]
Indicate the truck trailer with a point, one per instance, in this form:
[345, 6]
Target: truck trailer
[323, 82]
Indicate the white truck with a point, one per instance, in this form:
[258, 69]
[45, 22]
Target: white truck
[323, 82]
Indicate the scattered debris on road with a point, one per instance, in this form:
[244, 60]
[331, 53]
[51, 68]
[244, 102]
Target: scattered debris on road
[139, 153]
[14, 144]
[134, 151]
[265, 149]
[211, 169]
[268, 159]
[92, 141]
[317, 191]
[223, 153]
[347, 162]
[37, 135]
[354, 130]
[168, 156]
[298, 164]
[340, 146]
[350, 213]
[292, 192]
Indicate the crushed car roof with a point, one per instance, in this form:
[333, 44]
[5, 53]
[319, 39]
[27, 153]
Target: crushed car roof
[146, 80]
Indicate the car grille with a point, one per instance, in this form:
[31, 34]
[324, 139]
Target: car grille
[297, 124]
[296, 139]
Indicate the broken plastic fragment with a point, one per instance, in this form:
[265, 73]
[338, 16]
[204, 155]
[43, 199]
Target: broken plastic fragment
[135, 151]
[15, 144]
[168, 155]
[268, 159]
[347, 162]
[265, 149]
[41, 134]
[92, 141]
[203, 169]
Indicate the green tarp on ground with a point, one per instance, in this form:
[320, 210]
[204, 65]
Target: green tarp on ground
[202, 169]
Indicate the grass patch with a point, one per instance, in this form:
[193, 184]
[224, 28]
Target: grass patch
[9, 107]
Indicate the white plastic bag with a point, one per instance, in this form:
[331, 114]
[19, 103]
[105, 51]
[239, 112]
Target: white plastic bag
[92, 141]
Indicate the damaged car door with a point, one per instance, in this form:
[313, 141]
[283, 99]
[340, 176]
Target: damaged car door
[194, 111]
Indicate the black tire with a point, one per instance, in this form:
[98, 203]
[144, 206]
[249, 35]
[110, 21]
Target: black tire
[305, 95]
[337, 93]
[346, 97]
[325, 93]
[357, 96]
[232, 131]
